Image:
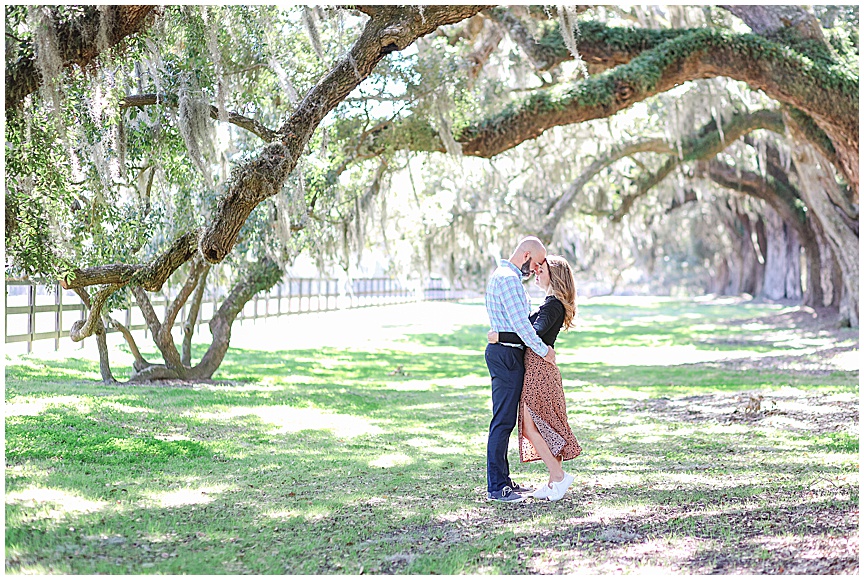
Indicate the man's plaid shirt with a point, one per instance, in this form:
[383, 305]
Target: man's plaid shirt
[508, 306]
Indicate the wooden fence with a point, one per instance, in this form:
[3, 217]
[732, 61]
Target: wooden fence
[42, 313]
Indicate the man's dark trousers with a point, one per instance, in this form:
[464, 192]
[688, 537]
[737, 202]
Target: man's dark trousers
[507, 369]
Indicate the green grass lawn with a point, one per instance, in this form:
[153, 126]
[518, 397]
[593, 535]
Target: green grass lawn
[371, 458]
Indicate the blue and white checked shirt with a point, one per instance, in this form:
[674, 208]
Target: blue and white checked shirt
[508, 306]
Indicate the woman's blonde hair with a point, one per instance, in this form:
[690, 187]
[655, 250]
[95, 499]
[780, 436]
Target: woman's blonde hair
[563, 287]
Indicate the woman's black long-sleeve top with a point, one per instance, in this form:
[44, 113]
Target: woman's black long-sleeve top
[547, 321]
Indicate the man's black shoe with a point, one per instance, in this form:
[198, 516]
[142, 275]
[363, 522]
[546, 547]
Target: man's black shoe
[518, 488]
[506, 495]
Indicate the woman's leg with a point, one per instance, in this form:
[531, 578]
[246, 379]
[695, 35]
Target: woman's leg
[529, 429]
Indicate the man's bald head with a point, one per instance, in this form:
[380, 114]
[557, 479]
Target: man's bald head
[529, 254]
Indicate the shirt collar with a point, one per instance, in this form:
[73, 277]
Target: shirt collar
[512, 266]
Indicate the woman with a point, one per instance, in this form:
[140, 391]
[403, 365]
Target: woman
[543, 429]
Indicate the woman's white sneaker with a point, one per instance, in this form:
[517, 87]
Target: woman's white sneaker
[559, 488]
[542, 492]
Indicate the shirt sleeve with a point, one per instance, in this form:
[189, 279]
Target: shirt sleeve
[551, 314]
[516, 310]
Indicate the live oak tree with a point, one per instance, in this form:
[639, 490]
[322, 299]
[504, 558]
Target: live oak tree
[810, 77]
[40, 35]
[323, 116]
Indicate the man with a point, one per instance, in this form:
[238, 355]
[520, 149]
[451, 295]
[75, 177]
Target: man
[508, 308]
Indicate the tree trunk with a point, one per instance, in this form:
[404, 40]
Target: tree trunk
[192, 318]
[815, 178]
[263, 277]
[745, 271]
[827, 268]
[782, 259]
[101, 339]
[104, 362]
[258, 278]
[814, 295]
[836, 282]
[720, 282]
[793, 273]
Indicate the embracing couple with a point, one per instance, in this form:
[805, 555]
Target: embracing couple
[526, 383]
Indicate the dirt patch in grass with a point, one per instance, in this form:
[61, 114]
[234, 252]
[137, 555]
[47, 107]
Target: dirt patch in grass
[799, 412]
[773, 533]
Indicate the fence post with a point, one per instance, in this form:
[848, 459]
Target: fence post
[58, 316]
[31, 315]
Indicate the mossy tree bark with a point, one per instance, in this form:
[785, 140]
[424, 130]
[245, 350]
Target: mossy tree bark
[815, 178]
[79, 43]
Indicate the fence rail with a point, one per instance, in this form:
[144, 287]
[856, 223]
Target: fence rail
[30, 304]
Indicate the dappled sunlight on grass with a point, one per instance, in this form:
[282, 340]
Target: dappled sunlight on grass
[314, 458]
[126, 408]
[391, 460]
[185, 496]
[21, 406]
[53, 504]
[291, 420]
[650, 355]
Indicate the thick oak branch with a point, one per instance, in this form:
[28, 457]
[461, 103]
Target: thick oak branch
[705, 145]
[78, 43]
[829, 95]
[601, 47]
[150, 276]
[391, 28]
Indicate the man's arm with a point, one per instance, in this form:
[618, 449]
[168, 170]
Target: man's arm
[516, 310]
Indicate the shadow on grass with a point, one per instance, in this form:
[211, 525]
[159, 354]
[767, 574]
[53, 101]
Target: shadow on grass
[283, 497]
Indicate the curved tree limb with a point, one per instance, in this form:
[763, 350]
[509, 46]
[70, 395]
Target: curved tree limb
[150, 276]
[78, 43]
[140, 361]
[560, 206]
[176, 305]
[161, 333]
[705, 145]
[146, 307]
[704, 53]
[389, 29]
[192, 317]
[253, 126]
[600, 46]
[81, 329]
